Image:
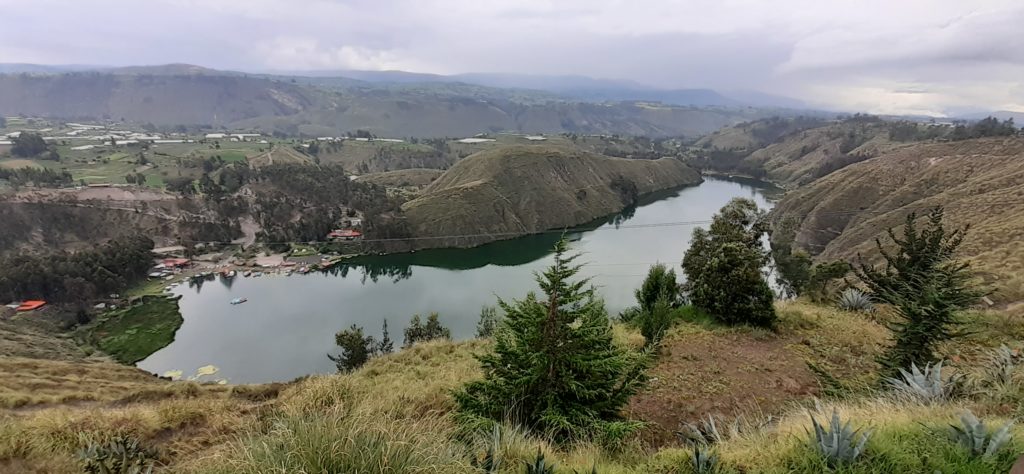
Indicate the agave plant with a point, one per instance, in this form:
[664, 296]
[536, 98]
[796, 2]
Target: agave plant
[926, 385]
[975, 436]
[703, 460]
[852, 299]
[122, 455]
[539, 465]
[490, 462]
[838, 443]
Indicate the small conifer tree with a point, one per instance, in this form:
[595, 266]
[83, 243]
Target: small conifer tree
[555, 368]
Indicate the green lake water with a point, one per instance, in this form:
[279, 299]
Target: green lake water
[286, 329]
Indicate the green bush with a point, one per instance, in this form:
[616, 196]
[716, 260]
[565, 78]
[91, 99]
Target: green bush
[660, 284]
[724, 265]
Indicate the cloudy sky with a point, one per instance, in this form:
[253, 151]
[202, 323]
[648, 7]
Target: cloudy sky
[891, 56]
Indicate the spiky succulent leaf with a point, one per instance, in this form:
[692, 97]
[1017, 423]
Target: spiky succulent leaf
[838, 443]
[927, 386]
[975, 437]
[853, 299]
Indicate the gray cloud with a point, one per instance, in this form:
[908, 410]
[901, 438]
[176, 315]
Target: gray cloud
[921, 56]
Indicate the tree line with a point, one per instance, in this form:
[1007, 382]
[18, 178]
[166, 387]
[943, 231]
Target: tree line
[38, 177]
[81, 276]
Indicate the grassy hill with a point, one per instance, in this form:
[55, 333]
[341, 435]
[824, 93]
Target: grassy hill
[180, 95]
[979, 182]
[396, 411]
[525, 189]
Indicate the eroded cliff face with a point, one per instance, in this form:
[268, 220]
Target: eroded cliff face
[511, 191]
[978, 182]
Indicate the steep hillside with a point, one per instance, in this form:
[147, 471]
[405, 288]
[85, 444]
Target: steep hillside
[521, 190]
[415, 178]
[72, 219]
[979, 182]
[178, 95]
[803, 156]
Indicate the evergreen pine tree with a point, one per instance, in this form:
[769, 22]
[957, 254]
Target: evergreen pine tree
[386, 345]
[554, 367]
[660, 284]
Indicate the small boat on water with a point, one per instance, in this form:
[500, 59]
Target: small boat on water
[239, 300]
[247, 273]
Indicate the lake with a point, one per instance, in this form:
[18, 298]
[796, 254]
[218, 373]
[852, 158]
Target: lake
[286, 329]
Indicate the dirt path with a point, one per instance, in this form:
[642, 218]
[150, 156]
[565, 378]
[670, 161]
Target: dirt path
[249, 230]
[724, 374]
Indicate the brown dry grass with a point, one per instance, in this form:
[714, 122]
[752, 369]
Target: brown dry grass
[728, 371]
[979, 182]
[397, 409]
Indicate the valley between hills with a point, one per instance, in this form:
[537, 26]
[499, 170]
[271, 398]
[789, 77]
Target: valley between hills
[842, 183]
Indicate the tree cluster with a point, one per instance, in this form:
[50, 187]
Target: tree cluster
[987, 127]
[32, 145]
[418, 331]
[38, 177]
[79, 276]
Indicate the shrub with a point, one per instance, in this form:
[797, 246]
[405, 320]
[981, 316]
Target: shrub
[853, 299]
[926, 385]
[724, 264]
[731, 288]
[654, 322]
[420, 332]
[357, 348]
[122, 455]
[555, 367]
[488, 323]
[925, 285]
[838, 444]
[660, 284]
[973, 435]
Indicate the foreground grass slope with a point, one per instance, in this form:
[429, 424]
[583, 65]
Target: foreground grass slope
[394, 414]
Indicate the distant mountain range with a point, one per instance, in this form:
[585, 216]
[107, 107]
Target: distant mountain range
[574, 87]
[387, 103]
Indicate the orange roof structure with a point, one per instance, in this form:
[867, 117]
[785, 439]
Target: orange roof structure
[30, 305]
[176, 262]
